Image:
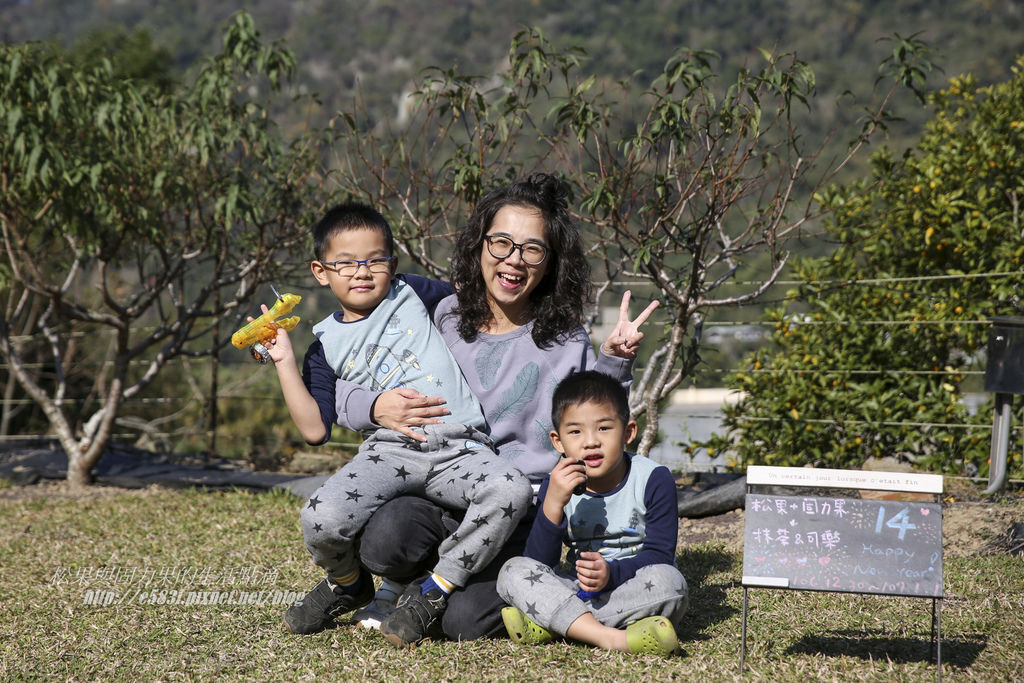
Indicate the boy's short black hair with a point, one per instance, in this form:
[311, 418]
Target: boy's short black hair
[589, 386]
[349, 216]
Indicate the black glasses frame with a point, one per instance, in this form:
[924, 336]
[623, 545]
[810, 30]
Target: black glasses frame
[357, 263]
[515, 245]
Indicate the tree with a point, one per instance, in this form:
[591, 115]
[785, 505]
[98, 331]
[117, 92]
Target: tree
[131, 55]
[689, 190]
[135, 220]
[870, 355]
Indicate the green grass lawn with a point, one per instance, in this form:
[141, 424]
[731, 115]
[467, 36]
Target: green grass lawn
[57, 555]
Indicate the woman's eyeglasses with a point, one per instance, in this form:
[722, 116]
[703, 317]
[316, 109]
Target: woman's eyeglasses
[533, 254]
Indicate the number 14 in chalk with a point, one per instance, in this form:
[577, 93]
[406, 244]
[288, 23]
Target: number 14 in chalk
[901, 521]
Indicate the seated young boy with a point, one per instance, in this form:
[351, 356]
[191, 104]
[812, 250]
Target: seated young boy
[383, 337]
[623, 591]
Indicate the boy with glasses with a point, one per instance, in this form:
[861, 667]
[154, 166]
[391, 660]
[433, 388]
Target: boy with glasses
[383, 338]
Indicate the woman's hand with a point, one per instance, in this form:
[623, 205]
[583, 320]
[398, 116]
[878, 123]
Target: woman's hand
[592, 572]
[624, 340]
[402, 408]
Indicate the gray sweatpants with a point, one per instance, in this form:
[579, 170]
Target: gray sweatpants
[454, 468]
[549, 597]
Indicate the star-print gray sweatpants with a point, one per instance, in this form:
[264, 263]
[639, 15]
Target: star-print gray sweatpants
[549, 597]
[454, 467]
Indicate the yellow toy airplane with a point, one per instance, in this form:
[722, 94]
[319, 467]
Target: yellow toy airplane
[264, 328]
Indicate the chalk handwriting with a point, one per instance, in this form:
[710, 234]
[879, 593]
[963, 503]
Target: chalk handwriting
[835, 507]
[829, 538]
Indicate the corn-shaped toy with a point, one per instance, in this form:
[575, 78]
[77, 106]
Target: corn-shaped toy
[264, 328]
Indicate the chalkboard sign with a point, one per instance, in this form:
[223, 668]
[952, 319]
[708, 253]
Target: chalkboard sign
[830, 542]
[843, 544]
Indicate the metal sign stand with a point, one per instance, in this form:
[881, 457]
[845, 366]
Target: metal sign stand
[935, 637]
[758, 475]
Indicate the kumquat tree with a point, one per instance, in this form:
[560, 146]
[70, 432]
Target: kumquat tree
[871, 357]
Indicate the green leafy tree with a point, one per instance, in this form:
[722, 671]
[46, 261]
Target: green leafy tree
[132, 55]
[687, 191]
[870, 355]
[136, 220]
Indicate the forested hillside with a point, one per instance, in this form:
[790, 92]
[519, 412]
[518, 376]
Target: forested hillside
[378, 48]
[735, 169]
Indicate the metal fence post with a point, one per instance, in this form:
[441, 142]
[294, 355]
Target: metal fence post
[1004, 376]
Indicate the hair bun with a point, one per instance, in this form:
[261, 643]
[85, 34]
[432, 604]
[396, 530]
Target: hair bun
[550, 187]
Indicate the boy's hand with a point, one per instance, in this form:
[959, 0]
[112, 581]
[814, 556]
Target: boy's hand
[280, 347]
[402, 408]
[592, 572]
[566, 475]
[624, 340]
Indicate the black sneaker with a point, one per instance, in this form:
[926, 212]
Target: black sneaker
[317, 610]
[416, 617]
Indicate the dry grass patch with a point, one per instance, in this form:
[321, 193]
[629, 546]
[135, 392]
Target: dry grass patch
[55, 549]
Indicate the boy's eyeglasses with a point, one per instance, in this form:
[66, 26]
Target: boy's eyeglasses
[533, 254]
[348, 268]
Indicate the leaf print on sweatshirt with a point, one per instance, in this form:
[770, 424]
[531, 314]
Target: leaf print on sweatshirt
[488, 362]
[544, 434]
[553, 383]
[517, 397]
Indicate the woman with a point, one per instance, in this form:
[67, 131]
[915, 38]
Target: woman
[514, 324]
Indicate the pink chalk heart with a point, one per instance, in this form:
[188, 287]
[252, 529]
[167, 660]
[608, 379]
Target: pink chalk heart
[760, 559]
[925, 511]
[824, 560]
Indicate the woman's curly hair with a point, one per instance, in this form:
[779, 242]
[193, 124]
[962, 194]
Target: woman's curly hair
[557, 303]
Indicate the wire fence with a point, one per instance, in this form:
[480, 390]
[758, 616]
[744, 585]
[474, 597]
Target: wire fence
[975, 372]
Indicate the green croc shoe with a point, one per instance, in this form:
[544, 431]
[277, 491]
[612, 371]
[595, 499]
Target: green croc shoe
[652, 636]
[522, 630]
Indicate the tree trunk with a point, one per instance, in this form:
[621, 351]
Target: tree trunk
[654, 391]
[79, 470]
[84, 455]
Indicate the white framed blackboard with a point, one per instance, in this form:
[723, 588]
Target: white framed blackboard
[843, 545]
[830, 541]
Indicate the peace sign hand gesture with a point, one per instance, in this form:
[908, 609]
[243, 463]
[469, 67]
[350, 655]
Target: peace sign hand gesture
[624, 340]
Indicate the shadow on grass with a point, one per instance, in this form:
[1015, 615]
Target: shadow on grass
[960, 651]
[708, 605]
